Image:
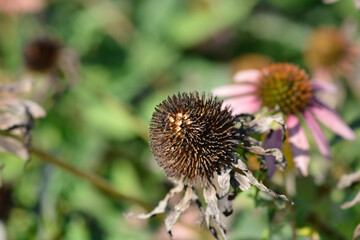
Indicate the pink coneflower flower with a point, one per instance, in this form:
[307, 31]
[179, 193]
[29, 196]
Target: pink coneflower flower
[286, 88]
[332, 56]
[21, 6]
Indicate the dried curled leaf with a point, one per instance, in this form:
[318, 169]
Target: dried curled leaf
[348, 179]
[280, 160]
[241, 177]
[241, 166]
[352, 202]
[356, 232]
[263, 124]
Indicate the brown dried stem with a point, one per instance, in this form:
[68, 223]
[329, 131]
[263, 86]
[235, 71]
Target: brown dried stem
[95, 180]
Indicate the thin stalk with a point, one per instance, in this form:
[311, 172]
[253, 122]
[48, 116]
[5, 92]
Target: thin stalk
[95, 180]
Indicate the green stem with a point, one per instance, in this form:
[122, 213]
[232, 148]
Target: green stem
[95, 180]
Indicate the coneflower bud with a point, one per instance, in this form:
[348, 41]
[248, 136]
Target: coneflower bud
[192, 136]
[286, 86]
[41, 55]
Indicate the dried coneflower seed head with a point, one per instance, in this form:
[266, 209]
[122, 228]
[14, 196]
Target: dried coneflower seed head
[41, 55]
[192, 136]
[286, 86]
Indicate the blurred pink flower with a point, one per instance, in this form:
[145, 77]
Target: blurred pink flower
[356, 2]
[333, 56]
[21, 6]
[286, 88]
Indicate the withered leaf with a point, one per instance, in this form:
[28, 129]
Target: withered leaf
[356, 232]
[280, 160]
[348, 179]
[262, 124]
[352, 202]
[240, 165]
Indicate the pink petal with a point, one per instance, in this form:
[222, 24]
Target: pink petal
[247, 76]
[273, 141]
[233, 90]
[317, 134]
[329, 1]
[323, 86]
[299, 144]
[322, 74]
[244, 104]
[331, 120]
[21, 6]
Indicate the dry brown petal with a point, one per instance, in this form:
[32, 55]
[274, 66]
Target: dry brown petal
[352, 202]
[348, 179]
[243, 181]
[224, 183]
[35, 110]
[9, 121]
[12, 105]
[16, 88]
[161, 207]
[212, 211]
[237, 181]
[21, 107]
[11, 145]
[178, 209]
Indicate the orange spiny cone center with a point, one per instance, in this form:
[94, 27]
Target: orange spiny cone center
[285, 86]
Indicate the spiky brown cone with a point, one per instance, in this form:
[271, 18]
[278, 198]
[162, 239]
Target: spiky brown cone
[192, 136]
